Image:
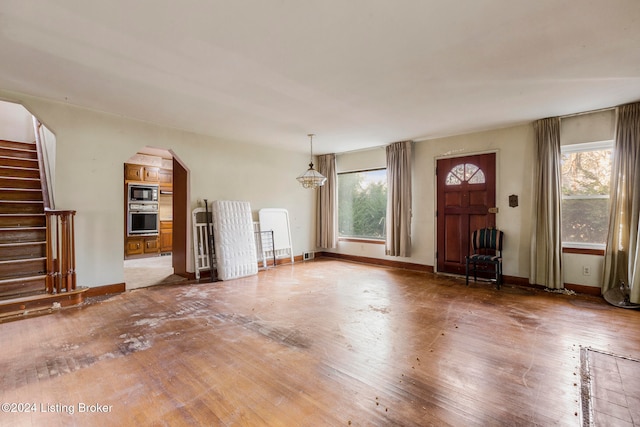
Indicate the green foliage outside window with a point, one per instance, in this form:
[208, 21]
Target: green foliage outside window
[362, 204]
[586, 179]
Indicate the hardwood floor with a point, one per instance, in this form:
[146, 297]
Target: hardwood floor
[322, 343]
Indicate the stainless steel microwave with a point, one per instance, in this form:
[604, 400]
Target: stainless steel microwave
[143, 192]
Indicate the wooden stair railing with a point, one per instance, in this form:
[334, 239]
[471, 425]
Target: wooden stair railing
[60, 246]
[61, 258]
[47, 196]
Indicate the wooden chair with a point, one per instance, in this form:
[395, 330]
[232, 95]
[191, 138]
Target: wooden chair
[487, 250]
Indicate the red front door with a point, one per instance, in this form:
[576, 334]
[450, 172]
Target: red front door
[466, 189]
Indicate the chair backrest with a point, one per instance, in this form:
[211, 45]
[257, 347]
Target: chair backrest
[487, 238]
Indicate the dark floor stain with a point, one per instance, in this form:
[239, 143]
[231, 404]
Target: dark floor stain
[517, 290]
[287, 336]
[383, 310]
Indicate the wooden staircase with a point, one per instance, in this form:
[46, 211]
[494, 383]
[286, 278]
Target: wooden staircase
[23, 235]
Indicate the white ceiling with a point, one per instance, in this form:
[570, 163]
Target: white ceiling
[357, 73]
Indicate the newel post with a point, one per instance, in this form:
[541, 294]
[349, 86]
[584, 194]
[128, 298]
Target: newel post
[61, 263]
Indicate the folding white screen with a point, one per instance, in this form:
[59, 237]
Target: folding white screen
[278, 221]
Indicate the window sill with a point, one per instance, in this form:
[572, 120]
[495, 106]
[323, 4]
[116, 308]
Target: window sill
[582, 251]
[361, 240]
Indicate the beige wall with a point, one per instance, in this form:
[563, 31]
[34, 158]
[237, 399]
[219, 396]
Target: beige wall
[92, 148]
[514, 150]
[513, 147]
[16, 123]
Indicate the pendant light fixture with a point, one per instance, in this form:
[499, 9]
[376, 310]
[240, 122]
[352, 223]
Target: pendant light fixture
[311, 178]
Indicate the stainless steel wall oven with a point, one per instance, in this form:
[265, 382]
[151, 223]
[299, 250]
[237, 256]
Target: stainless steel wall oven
[142, 210]
[143, 223]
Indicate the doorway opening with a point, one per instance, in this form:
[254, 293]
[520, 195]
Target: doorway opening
[153, 234]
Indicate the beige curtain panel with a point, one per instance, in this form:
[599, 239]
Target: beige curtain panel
[399, 158]
[546, 239]
[622, 256]
[327, 202]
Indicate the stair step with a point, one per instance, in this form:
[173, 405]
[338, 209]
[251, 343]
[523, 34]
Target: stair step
[23, 267]
[19, 172]
[22, 286]
[19, 163]
[28, 146]
[18, 153]
[33, 194]
[23, 234]
[26, 250]
[12, 182]
[21, 207]
[39, 303]
[22, 220]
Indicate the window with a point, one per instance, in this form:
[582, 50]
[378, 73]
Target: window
[466, 172]
[362, 204]
[586, 173]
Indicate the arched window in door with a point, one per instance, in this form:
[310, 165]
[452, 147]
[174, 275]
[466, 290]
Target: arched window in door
[465, 172]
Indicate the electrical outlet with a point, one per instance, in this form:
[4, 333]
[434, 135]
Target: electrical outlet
[586, 270]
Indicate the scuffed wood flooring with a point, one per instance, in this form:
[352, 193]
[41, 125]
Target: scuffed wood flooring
[323, 343]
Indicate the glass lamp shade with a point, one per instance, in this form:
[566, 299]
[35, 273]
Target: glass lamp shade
[311, 178]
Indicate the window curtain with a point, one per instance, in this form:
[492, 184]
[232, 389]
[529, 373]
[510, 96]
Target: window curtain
[622, 256]
[398, 222]
[327, 196]
[546, 239]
